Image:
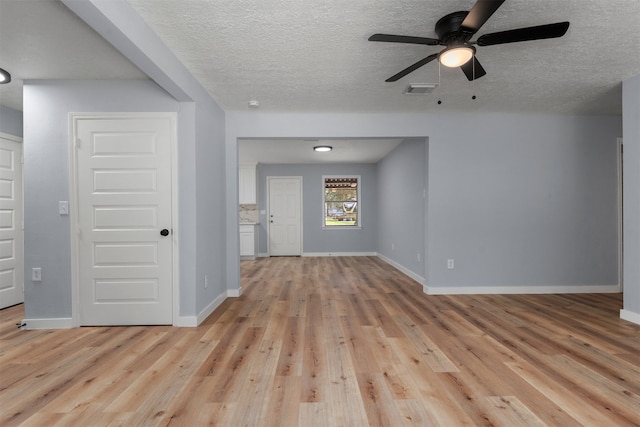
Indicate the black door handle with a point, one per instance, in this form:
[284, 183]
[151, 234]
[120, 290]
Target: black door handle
[164, 232]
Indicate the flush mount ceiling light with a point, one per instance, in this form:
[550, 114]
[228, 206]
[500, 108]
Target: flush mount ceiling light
[5, 77]
[322, 148]
[456, 56]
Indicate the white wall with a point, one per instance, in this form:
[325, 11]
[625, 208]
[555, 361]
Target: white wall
[517, 200]
[631, 136]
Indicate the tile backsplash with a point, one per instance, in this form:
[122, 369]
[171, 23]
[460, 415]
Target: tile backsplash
[248, 213]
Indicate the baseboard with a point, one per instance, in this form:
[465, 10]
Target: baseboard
[403, 269]
[321, 254]
[57, 323]
[470, 290]
[630, 316]
[263, 255]
[234, 293]
[193, 321]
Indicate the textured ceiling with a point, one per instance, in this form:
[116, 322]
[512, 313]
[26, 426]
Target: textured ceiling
[42, 39]
[314, 56]
[292, 150]
[308, 56]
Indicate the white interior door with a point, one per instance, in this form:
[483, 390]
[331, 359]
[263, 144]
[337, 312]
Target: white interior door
[11, 235]
[285, 216]
[124, 219]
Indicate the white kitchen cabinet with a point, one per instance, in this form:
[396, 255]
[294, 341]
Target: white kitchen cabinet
[248, 241]
[247, 183]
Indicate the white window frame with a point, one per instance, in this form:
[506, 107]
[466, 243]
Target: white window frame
[359, 191]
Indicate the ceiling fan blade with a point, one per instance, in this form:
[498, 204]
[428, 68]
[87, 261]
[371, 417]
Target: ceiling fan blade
[412, 68]
[403, 39]
[539, 32]
[479, 14]
[472, 69]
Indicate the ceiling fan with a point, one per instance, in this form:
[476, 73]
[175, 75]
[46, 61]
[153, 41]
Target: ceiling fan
[455, 31]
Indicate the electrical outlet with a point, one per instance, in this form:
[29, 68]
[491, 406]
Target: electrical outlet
[450, 264]
[393, 246]
[206, 281]
[419, 257]
[36, 274]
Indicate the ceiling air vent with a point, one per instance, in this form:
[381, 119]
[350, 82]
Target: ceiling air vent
[420, 89]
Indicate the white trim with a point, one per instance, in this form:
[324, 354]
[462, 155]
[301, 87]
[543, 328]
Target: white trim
[620, 215]
[193, 321]
[73, 222]
[323, 254]
[630, 316]
[57, 323]
[262, 255]
[10, 137]
[175, 199]
[562, 289]
[73, 205]
[234, 293]
[403, 269]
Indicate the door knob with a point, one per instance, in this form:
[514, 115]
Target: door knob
[164, 232]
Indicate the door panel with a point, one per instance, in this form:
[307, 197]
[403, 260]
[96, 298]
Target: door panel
[285, 216]
[124, 201]
[11, 235]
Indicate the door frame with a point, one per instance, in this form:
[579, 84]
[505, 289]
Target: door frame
[269, 178]
[74, 118]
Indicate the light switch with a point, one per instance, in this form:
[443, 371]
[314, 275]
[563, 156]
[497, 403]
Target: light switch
[63, 207]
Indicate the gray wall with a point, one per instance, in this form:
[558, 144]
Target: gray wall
[315, 239]
[10, 121]
[517, 200]
[402, 183]
[631, 135]
[210, 228]
[201, 159]
[46, 181]
[524, 201]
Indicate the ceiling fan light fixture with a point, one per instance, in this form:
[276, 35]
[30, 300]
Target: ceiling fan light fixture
[322, 148]
[456, 56]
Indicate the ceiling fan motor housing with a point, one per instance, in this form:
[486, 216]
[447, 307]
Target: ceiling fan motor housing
[448, 29]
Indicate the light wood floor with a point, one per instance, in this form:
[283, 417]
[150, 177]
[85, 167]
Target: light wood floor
[335, 342]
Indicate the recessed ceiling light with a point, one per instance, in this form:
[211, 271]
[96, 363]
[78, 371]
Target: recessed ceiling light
[254, 104]
[5, 77]
[322, 148]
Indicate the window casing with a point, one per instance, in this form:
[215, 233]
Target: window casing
[341, 202]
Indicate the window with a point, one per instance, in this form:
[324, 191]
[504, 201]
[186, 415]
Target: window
[341, 196]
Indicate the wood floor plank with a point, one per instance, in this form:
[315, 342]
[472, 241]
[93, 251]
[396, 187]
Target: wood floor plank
[335, 341]
[511, 412]
[570, 401]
